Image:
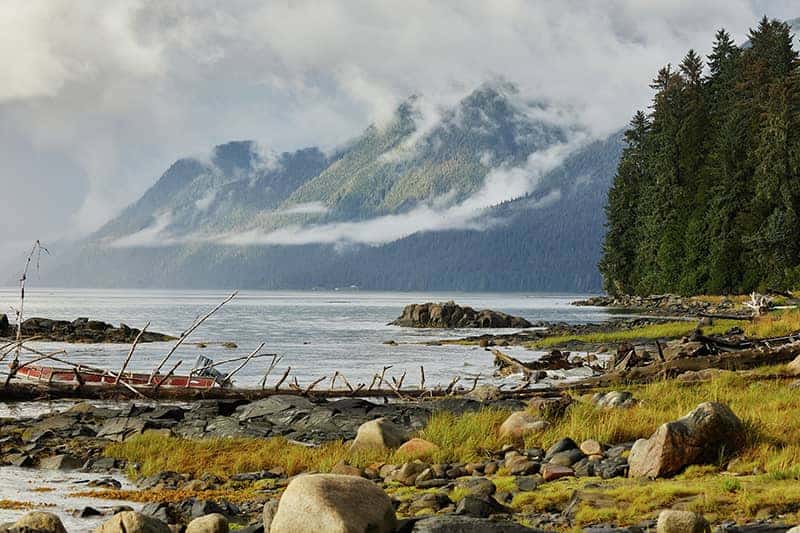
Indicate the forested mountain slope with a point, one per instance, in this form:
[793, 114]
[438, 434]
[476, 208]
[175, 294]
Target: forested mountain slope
[251, 218]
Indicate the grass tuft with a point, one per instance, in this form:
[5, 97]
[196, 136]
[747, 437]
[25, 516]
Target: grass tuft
[665, 330]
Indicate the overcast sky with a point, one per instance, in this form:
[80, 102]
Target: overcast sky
[98, 98]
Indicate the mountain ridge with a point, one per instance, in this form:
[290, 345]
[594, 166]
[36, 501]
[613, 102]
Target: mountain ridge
[176, 234]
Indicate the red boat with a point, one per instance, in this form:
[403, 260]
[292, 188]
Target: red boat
[81, 375]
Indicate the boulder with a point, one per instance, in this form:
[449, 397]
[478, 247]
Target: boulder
[681, 522]
[132, 522]
[417, 448]
[40, 522]
[452, 315]
[695, 438]
[210, 523]
[793, 367]
[379, 434]
[520, 424]
[335, 504]
[551, 472]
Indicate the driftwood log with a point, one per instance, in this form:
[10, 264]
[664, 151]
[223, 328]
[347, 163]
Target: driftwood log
[741, 360]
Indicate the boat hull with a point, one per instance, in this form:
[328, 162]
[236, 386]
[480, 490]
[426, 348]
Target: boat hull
[81, 376]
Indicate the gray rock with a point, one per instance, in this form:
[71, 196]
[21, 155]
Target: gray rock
[529, 483]
[467, 524]
[479, 507]
[681, 522]
[567, 457]
[60, 462]
[479, 487]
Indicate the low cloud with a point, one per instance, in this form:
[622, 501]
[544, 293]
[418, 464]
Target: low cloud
[205, 202]
[150, 236]
[501, 185]
[441, 213]
[308, 208]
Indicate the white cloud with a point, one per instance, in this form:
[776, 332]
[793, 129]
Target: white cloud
[308, 208]
[154, 234]
[204, 202]
[103, 95]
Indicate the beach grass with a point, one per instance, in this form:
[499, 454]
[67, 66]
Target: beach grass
[768, 407]
[759, 479]
[664, 330]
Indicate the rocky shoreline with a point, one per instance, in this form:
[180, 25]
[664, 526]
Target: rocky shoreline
[671, 305]
[544, 330]
[433, 496]
[80, 330]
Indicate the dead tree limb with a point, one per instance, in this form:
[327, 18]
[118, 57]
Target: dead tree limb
[283, 378]
[185, 334]
[130, 352]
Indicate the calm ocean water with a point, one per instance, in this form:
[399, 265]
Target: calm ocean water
[315, 332]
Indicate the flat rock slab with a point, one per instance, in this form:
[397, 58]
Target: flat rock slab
[466, 524]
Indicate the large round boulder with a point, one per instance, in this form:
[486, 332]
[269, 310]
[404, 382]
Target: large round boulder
[334, 504]
[132, 522]
[695, 438]
[379, 434]
[41, 522]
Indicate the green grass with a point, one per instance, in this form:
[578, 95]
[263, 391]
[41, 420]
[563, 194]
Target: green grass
[465, 438]
[775, 324]
[666, 330]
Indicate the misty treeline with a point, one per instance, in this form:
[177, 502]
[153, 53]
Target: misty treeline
[706, 198]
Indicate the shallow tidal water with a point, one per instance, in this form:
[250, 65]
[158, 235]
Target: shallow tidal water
[316, 333]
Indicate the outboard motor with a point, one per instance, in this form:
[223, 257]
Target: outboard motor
[202, 363]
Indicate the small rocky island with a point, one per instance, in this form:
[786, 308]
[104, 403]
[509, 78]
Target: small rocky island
[80, 330]
[451, 315]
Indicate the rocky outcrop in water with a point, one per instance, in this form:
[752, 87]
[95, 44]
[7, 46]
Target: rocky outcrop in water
[452, 315]
[80, 330]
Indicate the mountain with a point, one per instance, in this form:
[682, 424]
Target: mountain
[461, 198]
